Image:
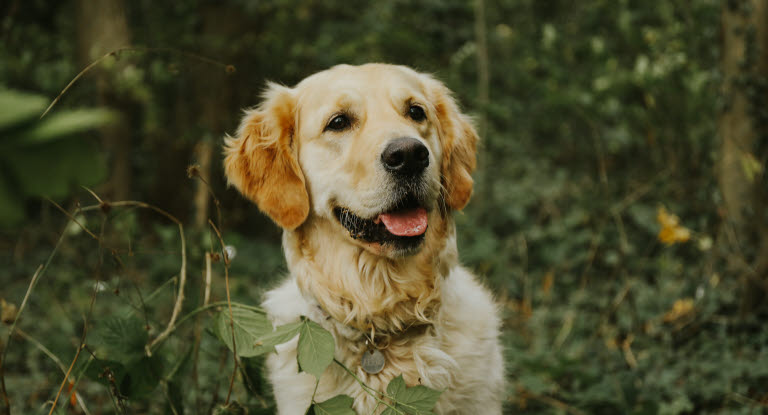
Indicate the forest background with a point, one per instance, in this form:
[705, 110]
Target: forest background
[619, 213]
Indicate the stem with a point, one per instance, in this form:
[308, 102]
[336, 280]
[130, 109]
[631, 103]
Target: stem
[228, 68]
[38, 273]
[317, 383]
[369, 390]
[208, 307]
[229, 305]
[58, 362]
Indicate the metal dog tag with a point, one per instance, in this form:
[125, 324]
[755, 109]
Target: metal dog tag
[373, 361]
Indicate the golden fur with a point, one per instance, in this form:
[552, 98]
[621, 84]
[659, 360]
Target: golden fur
[297, 172]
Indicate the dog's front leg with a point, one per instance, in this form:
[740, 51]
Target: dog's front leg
[293, 390]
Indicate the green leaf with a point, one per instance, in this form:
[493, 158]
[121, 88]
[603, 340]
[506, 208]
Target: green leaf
[316, 347]
[249, 325]
[53, 169]
[18, 107]
[416, 400]
[65, 125]
[11, 207]
[282, 334]
[338, 405]
[232, 408]
[119, 339]
[143, 376]
[254, 336]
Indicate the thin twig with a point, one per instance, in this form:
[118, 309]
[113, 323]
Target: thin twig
[79, 349]
[228, 68]
[32, 283]
[198, 331]
[86, 319]
[207, 292]
[229, 304]
[182, 273]
[38, 273]
[314, 392]
[369, 390]
[73, 219]
[56, 360]
[192, 171]
[208, 307]
[95, 196]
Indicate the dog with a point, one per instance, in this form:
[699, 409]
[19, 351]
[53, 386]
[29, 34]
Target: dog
[362, 167]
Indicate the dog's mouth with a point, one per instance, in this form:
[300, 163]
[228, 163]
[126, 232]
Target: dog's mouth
[403, 225]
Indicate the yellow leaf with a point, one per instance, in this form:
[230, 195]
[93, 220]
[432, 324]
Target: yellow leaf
[549, 280]
[751, 166]
[680, 308]
[671, 231]
[7, 311]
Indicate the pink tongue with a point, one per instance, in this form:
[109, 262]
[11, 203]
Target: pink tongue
[410, 222]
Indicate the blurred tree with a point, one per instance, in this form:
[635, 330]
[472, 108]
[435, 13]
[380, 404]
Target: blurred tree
[743, 129]
[102, 28]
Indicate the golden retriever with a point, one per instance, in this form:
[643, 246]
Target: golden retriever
[362, 167]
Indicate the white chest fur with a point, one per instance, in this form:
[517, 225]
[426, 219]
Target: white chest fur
[460, 354]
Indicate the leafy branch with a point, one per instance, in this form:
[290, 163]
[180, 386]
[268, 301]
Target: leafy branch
[252, 334]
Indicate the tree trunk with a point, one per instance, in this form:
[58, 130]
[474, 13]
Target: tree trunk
[103, 27]
[483, 99]
[744, 138]
[219, 24]
[483, 73]
[203, 157]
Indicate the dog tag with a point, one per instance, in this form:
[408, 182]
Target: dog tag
[373, 361]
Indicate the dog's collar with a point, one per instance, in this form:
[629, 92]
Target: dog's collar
[373, 359]
[376, 337]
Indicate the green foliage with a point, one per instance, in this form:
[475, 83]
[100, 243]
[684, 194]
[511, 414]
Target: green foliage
[43, 158]
[254, 336]
[315, 350]
[250, 326]
[338, 405]
[120, 339]
[599, 113]
[416, 400]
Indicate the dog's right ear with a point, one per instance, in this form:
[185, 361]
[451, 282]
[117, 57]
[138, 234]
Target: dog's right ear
[261, 161]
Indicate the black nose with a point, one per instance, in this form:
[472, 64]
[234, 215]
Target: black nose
[405, 156]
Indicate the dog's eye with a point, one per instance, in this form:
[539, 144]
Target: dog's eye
[416, 113]
[338, 123]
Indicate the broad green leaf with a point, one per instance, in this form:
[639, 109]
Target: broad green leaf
[338, 405]
[11, 206]
[52, 170]
[416, 400]
[249, 326]
[282, 334]
[119, 339]
[143, 376]
[316, 347]
[65, 125]
[18, 107]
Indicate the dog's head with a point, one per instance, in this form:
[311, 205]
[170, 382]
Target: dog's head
[376, 150]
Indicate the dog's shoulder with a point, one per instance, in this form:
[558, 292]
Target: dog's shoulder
[465, 301]
[285, 304]
[469, 328]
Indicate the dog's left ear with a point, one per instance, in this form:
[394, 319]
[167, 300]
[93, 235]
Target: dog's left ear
[261, 161]
[459, 140]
